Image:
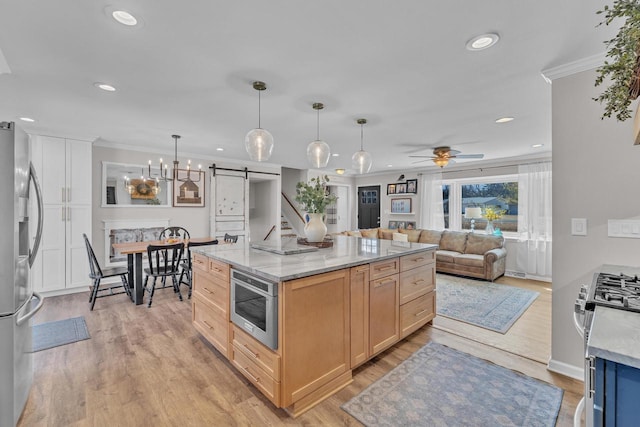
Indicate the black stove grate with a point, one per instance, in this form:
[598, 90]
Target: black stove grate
[619, 291]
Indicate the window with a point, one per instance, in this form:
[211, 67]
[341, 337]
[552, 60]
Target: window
[499, 193]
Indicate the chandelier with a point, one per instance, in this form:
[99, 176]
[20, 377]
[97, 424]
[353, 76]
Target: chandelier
[144, 186]
[175, 175]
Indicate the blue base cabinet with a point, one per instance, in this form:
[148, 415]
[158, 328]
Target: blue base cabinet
[617, 394]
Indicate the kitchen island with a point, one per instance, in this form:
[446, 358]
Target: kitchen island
[335, 309]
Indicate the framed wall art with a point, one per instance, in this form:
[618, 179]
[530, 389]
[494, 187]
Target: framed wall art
[412, 186]
[401, 205]
[189, 188]
[391, 189]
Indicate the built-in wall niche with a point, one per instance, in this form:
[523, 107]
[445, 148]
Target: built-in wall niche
[128, 185]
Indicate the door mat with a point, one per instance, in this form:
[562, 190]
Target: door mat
[61, 332]
[440, 386]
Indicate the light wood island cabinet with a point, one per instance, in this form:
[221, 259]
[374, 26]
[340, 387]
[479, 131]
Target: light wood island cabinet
[328, 323]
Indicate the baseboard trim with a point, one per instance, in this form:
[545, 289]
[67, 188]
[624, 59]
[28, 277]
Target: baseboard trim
[565, 369]
[65, 291]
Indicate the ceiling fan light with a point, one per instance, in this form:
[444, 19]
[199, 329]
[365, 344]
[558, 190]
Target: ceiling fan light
[259, 144]
[441, 161]
[361, 161]
[318, 153]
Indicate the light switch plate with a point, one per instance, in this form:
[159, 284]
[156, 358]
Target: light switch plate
[578, 226]
[629, 228]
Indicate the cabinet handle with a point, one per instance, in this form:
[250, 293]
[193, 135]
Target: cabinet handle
[418, 281]
[207, 325]
[592, 373]
[68, 214]
[209, 291]
[62, 197]
[420, 312]
[254, 354]
[68, 194]
[246, 369]
[386, 282]
[419, 259]
[215, 269]
[386, 267]
[62, 216]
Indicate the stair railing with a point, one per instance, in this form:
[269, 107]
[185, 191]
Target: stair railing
[269, 233]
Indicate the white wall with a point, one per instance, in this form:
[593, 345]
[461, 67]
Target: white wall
[596, 175]
[263, 196]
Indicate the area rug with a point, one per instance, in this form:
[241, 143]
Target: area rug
[61, 332]
[440, 386]
[485, 304]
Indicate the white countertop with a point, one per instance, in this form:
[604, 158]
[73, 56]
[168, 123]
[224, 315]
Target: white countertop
[346, 252]
[615, 334]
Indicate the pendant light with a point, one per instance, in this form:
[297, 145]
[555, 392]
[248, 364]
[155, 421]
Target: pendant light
[318, 151]
[361, 160]
[259, 142]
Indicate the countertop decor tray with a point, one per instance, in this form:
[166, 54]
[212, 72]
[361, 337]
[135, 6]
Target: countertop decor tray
[327, 243]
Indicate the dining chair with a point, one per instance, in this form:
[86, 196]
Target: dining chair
[187, 271]
[174, 232]
[97, 274]
[164, 261]
[230, 239]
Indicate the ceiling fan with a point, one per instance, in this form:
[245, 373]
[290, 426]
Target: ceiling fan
[443, 155]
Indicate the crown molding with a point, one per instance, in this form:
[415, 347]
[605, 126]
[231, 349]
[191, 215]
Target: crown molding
[584, 64]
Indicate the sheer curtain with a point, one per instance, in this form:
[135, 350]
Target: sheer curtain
[534, 219]
[431, 211]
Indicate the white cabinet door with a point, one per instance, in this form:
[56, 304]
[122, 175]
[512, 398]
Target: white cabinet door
[79, 172]
[78, 222]
[52, 176]
[52, 249]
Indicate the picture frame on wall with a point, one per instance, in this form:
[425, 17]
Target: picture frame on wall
[189, 188]
[410, 225]
[401, 188]
[391, 189]
[412, 186]
[401, 205]
[393, 225]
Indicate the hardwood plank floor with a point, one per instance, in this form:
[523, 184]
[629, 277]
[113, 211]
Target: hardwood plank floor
[146, 367]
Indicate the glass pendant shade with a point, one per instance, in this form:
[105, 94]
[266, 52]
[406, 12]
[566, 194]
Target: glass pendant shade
[361, 161]
[318, 153]
[259, 144]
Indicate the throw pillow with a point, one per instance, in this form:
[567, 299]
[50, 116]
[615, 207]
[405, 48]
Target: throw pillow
[372, 233]
[413, 235]
[478, 244]
[354, 234]
[400, 237]
[430, 236]
[385, 233]
[453, 241]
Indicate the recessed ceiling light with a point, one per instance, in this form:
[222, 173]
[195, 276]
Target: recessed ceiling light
[27, 119]
[105, 86]
[219, 149]
[389, 166]
[537, 145]
[504, 119]
[124, 17]
[483, 41]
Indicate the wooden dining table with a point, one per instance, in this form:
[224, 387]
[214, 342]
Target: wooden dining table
[134, 252]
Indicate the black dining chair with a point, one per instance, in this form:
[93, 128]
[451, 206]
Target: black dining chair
[97, 274]
[164, 261]
[229, 238]
[175, 233]
[187, 271]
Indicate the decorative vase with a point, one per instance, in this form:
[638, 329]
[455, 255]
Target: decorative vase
[489, 229]
[314, 229]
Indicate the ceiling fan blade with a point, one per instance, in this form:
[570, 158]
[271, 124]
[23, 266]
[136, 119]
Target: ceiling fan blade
[424, 157]
[469, 156]
[421, 161]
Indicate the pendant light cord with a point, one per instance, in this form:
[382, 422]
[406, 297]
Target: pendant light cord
[259, 99]
[318, 126]
[361, 136]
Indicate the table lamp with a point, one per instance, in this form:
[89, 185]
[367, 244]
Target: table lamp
[473, 213]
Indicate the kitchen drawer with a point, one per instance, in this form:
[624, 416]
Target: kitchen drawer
[416, 313]
[220, 270]
[384, 268]
[211, 323]
[207, 287]
[416, 282]
[259, 378]
[408, 262]
[200, 262]
[266, 359]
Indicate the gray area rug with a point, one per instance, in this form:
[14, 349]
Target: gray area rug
[485, 304]
[439, 386]
[61, 332]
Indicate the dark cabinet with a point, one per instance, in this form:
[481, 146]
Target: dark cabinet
[617, 388]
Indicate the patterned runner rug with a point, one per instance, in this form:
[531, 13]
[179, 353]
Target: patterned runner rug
[61, 332]
[440, 386]
[485, 304]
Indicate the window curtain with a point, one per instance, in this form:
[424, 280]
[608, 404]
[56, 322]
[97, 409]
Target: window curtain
[431, 211]
[534, 219]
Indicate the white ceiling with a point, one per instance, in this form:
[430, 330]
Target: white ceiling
[188, 70]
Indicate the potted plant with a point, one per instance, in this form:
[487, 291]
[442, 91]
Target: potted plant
[492, 214]
[314, 198]
[623, 68]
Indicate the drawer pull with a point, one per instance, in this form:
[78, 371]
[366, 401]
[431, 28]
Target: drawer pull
[209, 291]
[385, 282]
[254, 354]
[386, 267]
[246, 369]
[207, 325]
[419, 281]
[418, 259]
[420, 312]
[217, 270]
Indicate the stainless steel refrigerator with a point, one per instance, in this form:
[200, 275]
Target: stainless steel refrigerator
[18, 248]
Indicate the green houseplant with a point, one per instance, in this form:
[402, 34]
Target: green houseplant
[314, 199]
[622, 67]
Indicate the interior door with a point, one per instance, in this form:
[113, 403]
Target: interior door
[368, 207]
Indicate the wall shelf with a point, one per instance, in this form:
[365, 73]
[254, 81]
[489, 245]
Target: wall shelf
[396, 213]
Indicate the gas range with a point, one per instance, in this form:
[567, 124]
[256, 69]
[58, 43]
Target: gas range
[614, 290]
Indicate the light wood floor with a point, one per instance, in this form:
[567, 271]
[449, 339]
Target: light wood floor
[148, 367]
